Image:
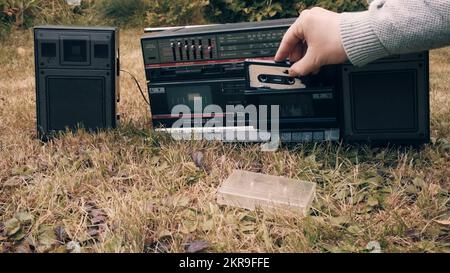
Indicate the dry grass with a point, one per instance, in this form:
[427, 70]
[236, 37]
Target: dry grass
[155, 199]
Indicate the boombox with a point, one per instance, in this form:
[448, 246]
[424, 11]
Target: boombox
[77, 84]
[386, 101]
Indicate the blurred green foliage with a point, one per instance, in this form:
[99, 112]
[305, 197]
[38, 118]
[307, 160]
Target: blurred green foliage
[176, 12]
[123, 12]
[16, 14]
[256, 10]
[140, 13]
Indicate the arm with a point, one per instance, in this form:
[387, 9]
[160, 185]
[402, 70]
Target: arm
[320, 37]
[395, 27]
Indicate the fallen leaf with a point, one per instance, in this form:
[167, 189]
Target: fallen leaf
[189, 226]
[419, 182]
[198, 159]
[197, 246]
[340, 221]
[97, 213]
[155, 160]
[23, 248]
[375, 180]
[7, 247]
[182, 201]
[342, 194]
[24, 217]
[89, 206]
[413, 234]
[158, 247]
[12, 226]
[311, 158]
[13, 182]
[434, 189]
[73, 247]
[208, 225]
[22, 171]
[46, 238]
[354, 229]
[163, 166]
[93, 232]
[61, 234]
[374, 247]
[247, 227]
[59, 250]
[163, 234]
[412, 189]
[98, 220]
[372, 201]
[358, 198]
[18, 236]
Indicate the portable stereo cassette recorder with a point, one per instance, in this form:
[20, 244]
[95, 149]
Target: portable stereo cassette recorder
[386, 101]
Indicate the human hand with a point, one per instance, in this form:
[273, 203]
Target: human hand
[312, 41]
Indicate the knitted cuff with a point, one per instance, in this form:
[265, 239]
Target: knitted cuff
[360, 42]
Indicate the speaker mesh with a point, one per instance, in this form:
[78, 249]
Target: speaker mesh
[74, 102]
[384, 101]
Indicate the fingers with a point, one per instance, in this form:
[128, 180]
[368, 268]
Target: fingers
[297, 53]
[307, 65]
[293, 36]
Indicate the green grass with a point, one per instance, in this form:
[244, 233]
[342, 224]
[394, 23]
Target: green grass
[131, 190]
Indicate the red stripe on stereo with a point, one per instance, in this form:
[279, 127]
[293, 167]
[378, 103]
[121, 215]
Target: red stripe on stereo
[205, 62]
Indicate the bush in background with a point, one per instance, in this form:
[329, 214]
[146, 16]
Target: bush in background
[16, 14]
[140, 13]
[223, 11]
[176, 12]
[245, 10]
[123, 13]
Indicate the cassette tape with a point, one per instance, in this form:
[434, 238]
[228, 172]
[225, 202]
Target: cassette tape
[263, 74]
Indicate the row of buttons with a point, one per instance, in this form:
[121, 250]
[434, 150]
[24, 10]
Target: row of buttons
[327, 135]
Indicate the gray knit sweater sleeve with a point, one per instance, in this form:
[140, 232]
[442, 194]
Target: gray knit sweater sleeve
[394, 27]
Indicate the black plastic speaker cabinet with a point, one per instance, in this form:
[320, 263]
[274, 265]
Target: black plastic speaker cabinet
[387, 101]
[77, 70]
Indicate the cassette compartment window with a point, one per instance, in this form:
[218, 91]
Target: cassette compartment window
[186, 95]
[295, 105]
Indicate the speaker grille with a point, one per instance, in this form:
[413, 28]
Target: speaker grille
[384, 101]
[74, 102]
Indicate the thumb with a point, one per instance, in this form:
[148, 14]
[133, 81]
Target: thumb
[306, 65]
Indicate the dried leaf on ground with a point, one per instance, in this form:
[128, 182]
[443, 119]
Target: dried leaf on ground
[13, 182]
[197, 246]
[46, 238]
[374, 247]
[340, 221]
[372, 201]
[12, 226]
[24, 217]
[24, 247]
[208, 225]
[61, 234]
[97, 218]
[73, 247]
[198, 159]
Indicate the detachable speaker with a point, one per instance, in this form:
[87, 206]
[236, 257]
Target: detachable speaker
[77, 72]
[387, 101]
